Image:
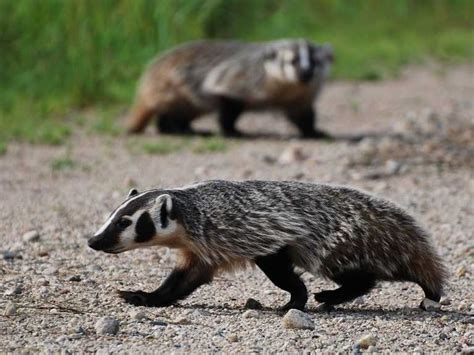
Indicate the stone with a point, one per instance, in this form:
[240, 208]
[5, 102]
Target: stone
[367, 340]
[467, 350]
[138, 315]
[430, 305]
[292, 154]
[253, 304]
[295, 319]
[107, 326]
[233, 338]
[15, 290]
[74, 278]
[445, 301]
[31, 236]
[10, 309]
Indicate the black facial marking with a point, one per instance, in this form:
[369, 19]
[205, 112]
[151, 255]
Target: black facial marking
[163, 216]
[145, 228]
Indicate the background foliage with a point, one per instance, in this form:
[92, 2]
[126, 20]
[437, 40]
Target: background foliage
[58, 56]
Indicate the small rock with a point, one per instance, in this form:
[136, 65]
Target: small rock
[467, 350]
[268, 159]
[292, 154]
[418, 350]
[107, 326]
[138, 315]
[10, 309]
[253, 304]
[461, 271]
[16, 290]
[295, 319]
[181, 321]
[74, 278]
[160, 322]
[445, 301]
[250, 314]
[233, 338]
[10, 255]
[392, 167]
[50, 270]
[372, 349]
[367, 340]
[31, 236]
[430, 305]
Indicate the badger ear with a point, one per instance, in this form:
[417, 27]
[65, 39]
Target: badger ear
[164, 204]
[132, 192]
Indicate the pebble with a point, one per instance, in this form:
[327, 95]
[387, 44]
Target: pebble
[10, 309]
[250, 314]
[138, 315]
[160, 322]
[445, 301]
[372, 349]
[15, 290]
[418, 350]
[181, 321]
[10, 255]
[31, 236]
[253, 304]
[461, 271]
[366, 340]
[431, 305]
[50, 270]
[295, 319]
[74, 278]
[107, 326]
[233, 338]
[292, 154]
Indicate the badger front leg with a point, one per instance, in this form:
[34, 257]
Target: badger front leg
[279, 269]
[182, 281]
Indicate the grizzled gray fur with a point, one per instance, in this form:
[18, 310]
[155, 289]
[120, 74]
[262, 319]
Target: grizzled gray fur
[337, 232]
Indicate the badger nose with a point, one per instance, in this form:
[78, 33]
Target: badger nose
[306, 75]
[96, 242]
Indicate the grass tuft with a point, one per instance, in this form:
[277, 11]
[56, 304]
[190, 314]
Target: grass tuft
[210, 145]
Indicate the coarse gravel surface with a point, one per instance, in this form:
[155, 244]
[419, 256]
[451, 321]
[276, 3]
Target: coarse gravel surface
[56, 294]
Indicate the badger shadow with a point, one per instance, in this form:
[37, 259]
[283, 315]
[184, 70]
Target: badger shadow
[254, 136]
[402, 313]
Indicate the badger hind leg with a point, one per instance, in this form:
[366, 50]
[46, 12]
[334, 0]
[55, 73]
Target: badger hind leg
[279, 269]
[353, 284]
[229, 112]
[304, 118]
[138, 119]
[173, 124]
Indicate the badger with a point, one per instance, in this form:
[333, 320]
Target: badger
[229, 78]
[337, 232]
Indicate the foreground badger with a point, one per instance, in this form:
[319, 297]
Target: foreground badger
[229, 78]
[340, 233]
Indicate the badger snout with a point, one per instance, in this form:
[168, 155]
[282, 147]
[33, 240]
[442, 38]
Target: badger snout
[305, 75]
[103, 242]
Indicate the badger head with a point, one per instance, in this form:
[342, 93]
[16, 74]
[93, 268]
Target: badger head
[142, 220]
[298, 61]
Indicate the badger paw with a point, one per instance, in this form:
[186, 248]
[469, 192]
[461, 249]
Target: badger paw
[137, 298]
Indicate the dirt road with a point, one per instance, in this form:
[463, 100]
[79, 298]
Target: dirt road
[420, 155]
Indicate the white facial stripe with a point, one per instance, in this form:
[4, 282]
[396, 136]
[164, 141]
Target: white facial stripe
[117, 211]
[304, 56]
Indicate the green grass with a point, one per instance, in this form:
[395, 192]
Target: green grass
[63, 163]
[210, 145]
[59, 57]
[162, 147]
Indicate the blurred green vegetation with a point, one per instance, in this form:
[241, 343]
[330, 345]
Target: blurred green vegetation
[60, 56]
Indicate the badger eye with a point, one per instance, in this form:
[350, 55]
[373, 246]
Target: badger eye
[123, 223]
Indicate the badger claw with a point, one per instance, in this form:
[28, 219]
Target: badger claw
[137, 298]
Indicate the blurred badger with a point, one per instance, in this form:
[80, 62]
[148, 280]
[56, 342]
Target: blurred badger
[230, 78]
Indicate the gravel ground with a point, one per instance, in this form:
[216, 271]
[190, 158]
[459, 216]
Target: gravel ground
[418, 151]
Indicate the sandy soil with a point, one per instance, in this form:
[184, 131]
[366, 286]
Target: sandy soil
[418, 151]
